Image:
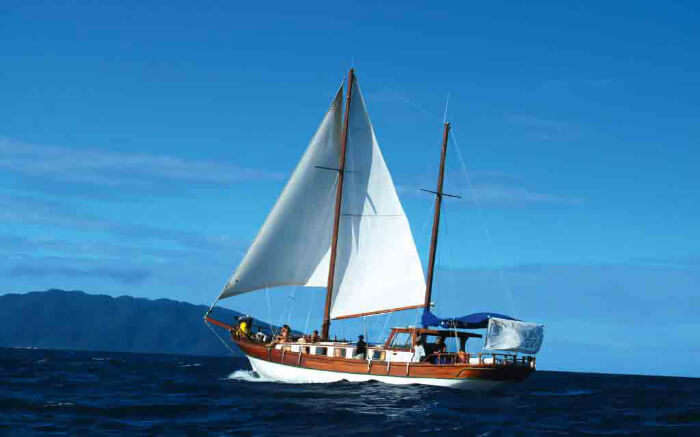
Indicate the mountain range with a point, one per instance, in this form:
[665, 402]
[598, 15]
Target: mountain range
[58, 319]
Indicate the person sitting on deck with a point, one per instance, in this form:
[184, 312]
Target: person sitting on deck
[260, 336]
[361, 348]
[440, 346]
[242, 330]
[283, 336]
[437, 348]
[315, 337]
[284, 333]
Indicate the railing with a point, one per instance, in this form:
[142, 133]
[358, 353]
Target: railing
[447, 358]
[482, 359]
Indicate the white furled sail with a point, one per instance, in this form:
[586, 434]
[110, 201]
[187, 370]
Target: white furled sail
[378, 268]
[293, 246]
[514, 336]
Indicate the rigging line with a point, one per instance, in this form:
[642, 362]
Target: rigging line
[445, 255]
[220, 339]
[269, 313]
[212, 306]
[400, 95]
[386, 321]
[308, 312]
[308, 317]
[457, 344]
[364, 328]
[447, 103]
[292, 298]
[281, 315]
[372, 329]
[451, 281]
[484, 225]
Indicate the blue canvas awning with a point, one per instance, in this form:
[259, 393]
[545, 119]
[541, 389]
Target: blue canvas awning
[472, 321]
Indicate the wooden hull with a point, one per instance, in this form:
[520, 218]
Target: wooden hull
[296, 367]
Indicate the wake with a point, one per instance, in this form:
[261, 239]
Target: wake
[247, 376]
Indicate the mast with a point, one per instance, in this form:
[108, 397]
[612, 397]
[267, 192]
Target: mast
[338, 204]
[436, 218]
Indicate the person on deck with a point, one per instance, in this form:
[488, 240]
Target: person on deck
[440, 346]
[243, 328]
[419, 350]
[315, 337]
[260, 336]
[284, 333]
[361, 348]
[283, 336]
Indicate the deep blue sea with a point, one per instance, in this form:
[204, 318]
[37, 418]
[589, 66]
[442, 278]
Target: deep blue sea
[106, 393]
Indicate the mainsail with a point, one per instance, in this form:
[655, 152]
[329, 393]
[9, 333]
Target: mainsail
[293, 246]
[377, 268]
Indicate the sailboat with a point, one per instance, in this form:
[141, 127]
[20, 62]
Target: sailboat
[338, 224]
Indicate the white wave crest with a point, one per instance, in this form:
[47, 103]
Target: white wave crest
[248, 376]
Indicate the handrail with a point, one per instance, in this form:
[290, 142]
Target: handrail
[484, 359]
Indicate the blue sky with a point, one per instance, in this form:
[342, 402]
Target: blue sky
[141, 147]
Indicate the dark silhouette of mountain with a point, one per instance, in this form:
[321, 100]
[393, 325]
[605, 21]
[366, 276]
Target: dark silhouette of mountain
[57, 319]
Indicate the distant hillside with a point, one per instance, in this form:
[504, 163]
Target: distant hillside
[57, 319]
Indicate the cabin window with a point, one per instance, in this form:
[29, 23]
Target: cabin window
[402, 340]
[451, 343]
[321, 351]
[377, 355]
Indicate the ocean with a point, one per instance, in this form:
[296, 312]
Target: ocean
[80, 393]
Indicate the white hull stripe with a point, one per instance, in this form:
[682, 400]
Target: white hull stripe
[302, 375]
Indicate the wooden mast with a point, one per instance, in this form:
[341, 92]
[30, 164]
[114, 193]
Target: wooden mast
[436, 219]
[338, 204]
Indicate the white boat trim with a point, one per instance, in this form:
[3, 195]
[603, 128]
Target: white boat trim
[301, 375]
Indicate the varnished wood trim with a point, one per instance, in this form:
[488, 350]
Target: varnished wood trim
[218, 323]
[415, 370]
[373, 313]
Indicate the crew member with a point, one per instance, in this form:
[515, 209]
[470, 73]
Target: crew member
[419, 349]
[315, 337]
[361, 348]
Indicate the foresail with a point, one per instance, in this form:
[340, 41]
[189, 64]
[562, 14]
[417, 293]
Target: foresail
[292, 247]
[378, 268]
